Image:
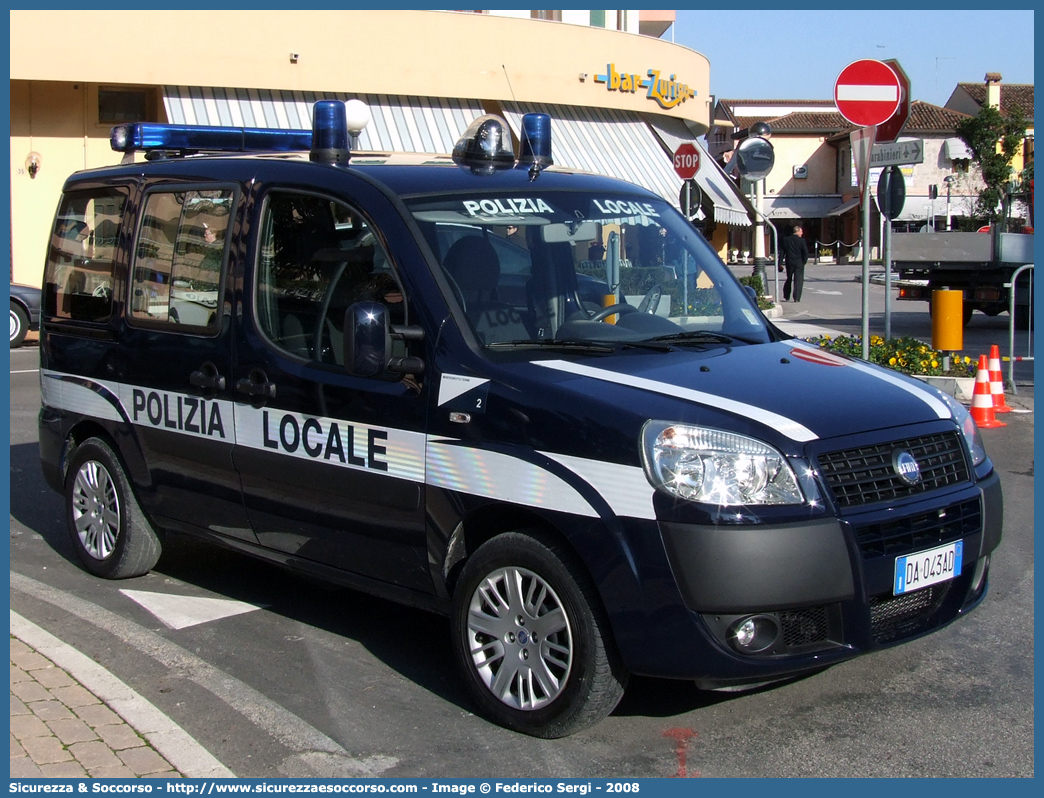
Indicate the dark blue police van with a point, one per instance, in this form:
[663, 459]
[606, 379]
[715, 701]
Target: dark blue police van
[406, 374]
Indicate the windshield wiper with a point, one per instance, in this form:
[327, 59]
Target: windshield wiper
[698, 337]
[552, 343]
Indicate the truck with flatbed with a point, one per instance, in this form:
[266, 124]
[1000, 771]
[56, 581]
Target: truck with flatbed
[985, 266]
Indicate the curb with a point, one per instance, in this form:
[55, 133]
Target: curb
[167, 737]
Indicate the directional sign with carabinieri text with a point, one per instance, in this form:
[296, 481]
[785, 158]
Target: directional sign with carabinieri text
[897, 153]
[867, 92]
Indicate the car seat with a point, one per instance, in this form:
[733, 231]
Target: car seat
[473, 265]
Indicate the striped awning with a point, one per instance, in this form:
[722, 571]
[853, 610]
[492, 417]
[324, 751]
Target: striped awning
[730, 206]
[399, 123]
[605, 141]
[801, 207]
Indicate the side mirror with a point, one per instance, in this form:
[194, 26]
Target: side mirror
[750, 292]
[367, 339]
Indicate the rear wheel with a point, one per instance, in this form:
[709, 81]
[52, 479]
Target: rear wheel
[532, 640]
[110, 533]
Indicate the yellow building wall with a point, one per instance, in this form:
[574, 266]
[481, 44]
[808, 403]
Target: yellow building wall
[55, 78]
[813, 153]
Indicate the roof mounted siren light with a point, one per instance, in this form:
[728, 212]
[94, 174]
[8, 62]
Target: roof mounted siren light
[330, 133]
[536, 144]
[485, 146]
[158, 140]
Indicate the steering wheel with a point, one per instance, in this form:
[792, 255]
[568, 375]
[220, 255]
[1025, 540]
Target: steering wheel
[612, 310]
[651, 301]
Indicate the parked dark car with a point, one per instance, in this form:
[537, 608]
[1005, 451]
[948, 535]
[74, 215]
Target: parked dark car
[25, 311]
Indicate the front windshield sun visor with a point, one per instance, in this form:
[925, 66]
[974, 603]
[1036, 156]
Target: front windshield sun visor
[567, 266]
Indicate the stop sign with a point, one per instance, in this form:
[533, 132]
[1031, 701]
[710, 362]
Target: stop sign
[686, 161]
[867, 92]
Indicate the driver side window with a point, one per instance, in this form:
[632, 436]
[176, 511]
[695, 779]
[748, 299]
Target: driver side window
[318, 257]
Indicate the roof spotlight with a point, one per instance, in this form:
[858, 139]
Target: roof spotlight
[485, 146]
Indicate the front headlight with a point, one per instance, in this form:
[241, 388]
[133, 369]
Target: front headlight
[713, 466]
[969, 429]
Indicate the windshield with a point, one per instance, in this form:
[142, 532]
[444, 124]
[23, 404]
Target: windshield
[572, 266]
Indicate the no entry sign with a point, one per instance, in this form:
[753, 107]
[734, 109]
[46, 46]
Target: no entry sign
[686, 160]
[867, 92]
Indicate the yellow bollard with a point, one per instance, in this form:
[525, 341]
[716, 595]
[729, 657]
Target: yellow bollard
[607, 300]
[947, 320]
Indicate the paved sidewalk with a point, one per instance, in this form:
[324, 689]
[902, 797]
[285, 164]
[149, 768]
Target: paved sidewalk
[74, 719]
[60, 729]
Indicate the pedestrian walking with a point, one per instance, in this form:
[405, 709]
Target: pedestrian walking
[795, 256]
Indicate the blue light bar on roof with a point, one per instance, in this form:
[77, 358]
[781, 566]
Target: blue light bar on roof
[145, 136]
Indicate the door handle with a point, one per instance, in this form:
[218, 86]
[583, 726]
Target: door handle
[256, 384]
[207, 377]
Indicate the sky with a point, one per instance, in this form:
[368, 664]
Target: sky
[797, 55]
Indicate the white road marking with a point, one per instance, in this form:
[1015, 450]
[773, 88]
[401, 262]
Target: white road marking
[180, 612]
[296, 734]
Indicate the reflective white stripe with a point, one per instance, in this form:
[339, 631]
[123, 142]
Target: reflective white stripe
[784, 425]
[912, 388]
[76, 397]
[397, 453]
[625, 488]
[493, 475]
[177, 412]
[345, 444]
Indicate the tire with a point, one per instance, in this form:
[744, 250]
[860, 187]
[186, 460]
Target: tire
[19, 325]
[550, 684]
[110, 533]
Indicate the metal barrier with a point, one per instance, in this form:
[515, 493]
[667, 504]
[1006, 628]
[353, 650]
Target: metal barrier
[1012, 359]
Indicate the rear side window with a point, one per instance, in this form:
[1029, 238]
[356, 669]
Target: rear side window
[176, 277]
[78, 281]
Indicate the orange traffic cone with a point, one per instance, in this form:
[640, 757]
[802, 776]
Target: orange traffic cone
[997, 382]
[982, 398]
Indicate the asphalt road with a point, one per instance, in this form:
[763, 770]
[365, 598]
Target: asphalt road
[307, 680]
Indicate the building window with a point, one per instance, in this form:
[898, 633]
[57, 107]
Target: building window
[597, 19]
[122, 105]
[554, 16]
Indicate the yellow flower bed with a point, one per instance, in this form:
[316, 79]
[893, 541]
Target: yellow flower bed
[906, 355]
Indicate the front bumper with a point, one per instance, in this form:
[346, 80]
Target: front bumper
[822, 591]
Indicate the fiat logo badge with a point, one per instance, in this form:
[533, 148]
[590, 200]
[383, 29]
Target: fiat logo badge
[906, 467]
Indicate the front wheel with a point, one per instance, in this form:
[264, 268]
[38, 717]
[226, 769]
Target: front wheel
[110, 533]
[532, 640]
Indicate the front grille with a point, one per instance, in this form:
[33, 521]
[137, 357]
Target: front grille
[804, 627]
[917, 532]
[895, 617]
[865, 475]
